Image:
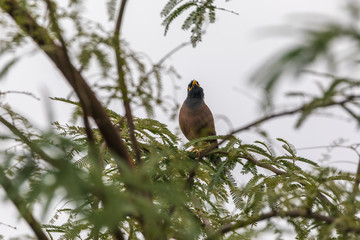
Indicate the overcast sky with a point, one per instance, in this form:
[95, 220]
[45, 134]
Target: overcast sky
[231, 49]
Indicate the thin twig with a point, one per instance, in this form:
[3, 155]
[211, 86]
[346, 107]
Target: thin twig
[20, 92]
[7, 225]
[165, 57]
[226, 10]
[120, 62]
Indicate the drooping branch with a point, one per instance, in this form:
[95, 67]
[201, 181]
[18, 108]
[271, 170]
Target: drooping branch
[120, 62]
[58, 55]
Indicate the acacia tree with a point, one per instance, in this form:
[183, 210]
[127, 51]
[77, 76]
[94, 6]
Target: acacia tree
[127, 178]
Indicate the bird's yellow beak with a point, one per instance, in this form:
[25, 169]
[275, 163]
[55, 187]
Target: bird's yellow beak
[193, 84]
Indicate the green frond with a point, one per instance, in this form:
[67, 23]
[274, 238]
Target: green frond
[201, 11]
[308, 161]
[169, 7]
[189, 21]
[65, 101]
[288, 147]
[170, 17]
[111, 8]
[268, 148]
[256, 149]
[83, 162]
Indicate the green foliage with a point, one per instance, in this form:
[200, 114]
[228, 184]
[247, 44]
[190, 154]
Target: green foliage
[159, 194]
[202, 12]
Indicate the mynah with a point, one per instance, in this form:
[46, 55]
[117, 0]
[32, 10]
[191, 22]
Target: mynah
[195, 117]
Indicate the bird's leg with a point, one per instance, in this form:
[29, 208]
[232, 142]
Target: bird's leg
[200, 147]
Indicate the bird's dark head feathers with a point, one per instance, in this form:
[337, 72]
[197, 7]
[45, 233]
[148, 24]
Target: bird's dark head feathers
[195, 96]
[194, 90]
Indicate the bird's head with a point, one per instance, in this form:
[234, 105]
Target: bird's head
[194, 90]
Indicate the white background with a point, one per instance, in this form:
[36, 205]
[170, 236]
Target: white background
[231, 50]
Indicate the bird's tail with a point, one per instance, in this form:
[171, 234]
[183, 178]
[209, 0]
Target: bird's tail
[213, 158]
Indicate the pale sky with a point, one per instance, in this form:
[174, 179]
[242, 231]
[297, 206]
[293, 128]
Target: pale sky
[231, 49]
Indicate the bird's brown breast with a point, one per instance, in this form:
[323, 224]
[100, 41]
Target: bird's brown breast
[196, 122]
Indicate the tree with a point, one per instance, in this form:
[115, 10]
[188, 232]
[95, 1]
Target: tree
[127, 178]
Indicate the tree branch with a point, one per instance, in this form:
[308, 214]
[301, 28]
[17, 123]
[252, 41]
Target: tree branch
[120, 18]
[273, 116]
[59, 57]
[19, 203]
[342, 225]
[263, 165]
[120, 62]
[165, 57]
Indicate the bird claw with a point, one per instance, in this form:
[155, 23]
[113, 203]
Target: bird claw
[199, 148]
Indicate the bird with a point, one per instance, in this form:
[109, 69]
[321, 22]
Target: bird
[195, 117]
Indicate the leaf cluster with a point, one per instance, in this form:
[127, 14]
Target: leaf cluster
[201, 12]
